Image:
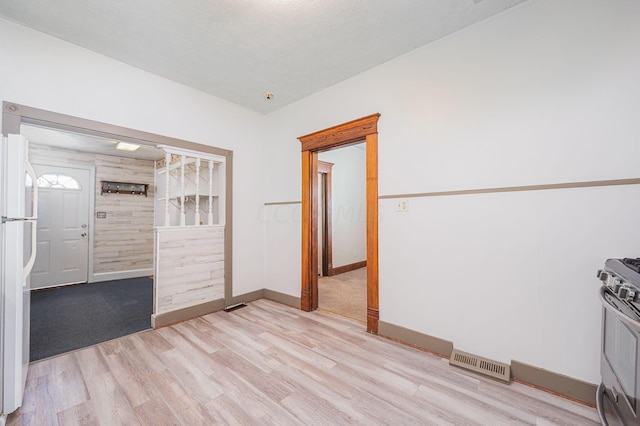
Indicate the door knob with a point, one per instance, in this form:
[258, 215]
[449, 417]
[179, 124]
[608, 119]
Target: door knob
[84, 234]
[84, 225]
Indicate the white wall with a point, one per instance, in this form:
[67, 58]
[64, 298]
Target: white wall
[43, 72]
[348, 204]
[543, 93]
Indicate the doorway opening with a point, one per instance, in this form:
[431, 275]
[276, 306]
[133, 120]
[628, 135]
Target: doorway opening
[351, 133]
[342, 232]
[93, 274]
[325, 254]
[184, 157]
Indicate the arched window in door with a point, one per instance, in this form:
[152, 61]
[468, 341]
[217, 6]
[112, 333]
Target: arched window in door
[57, 181]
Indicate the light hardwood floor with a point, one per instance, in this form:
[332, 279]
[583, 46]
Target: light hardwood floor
[271, 364]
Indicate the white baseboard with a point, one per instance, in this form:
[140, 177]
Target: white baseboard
[121, 275]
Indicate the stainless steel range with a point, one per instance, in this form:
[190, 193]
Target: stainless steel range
[619, 392]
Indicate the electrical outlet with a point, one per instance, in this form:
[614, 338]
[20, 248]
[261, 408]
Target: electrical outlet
[402, 205]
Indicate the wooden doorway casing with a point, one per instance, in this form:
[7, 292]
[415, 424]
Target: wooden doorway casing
[326, 245]
[356, 131]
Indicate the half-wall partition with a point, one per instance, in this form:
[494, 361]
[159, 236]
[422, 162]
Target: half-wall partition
[189, 234]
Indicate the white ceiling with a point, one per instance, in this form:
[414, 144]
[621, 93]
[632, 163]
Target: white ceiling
[239, 49]
[85, 143]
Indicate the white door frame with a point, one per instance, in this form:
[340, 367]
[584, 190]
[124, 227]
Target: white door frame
[92, 205]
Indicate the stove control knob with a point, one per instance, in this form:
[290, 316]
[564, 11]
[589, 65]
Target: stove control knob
[615, 285]
[627, 293]
[605, 277]
[623, 292]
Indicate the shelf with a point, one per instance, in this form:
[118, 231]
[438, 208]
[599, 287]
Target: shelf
[181, 180]
[110, 187]
[186, 197]
[189, 164]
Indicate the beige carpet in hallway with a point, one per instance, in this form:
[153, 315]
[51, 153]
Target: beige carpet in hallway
[345, 294]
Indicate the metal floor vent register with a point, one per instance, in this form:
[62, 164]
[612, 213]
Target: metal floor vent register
[234, 307]
[478, 364]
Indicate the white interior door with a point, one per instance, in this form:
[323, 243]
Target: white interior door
[63, 226]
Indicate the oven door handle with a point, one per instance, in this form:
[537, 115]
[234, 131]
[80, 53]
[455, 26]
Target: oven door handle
[600, 405]
[616, 312]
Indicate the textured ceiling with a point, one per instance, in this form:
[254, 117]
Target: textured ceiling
[239, 49]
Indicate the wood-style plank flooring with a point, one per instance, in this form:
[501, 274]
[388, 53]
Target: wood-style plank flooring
[271, 364]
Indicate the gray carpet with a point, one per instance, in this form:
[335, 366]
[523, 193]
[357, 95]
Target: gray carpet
[72, 317]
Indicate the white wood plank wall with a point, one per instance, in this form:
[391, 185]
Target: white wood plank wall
[124, 240]
[189, 267]
[41, 154]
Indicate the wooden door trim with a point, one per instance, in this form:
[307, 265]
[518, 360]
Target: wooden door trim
[340, 135]
[324, 167]
[365, 128]
[327, 255]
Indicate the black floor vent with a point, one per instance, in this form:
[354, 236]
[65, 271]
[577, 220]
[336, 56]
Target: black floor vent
[234, 307]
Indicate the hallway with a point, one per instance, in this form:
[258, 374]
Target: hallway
[345, 294]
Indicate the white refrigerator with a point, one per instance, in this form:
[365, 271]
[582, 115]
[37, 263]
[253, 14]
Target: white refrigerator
[18, 207]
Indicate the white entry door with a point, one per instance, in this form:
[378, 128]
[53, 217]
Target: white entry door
[63, 226]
